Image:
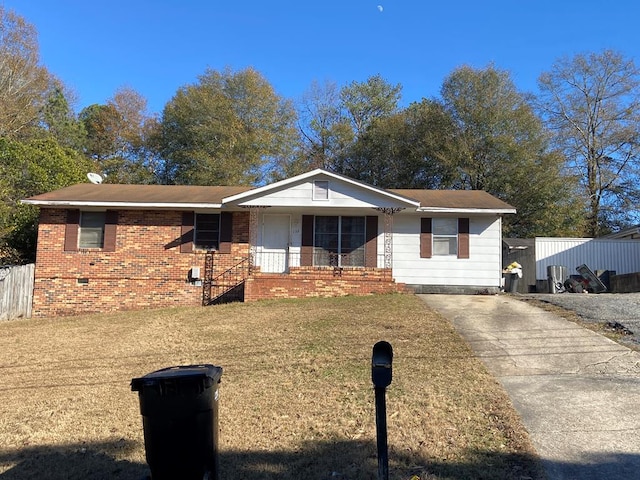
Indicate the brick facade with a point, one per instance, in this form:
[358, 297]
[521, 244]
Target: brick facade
[147, 269]
[303, 282]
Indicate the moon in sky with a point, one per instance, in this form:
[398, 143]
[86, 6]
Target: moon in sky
[380, 8]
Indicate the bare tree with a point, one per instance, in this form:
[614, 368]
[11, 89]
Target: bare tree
[23, 81]
[332, 119]
[324, 130]
[592, 103]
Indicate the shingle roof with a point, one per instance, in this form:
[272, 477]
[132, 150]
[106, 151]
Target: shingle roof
[143, 194]
[189, 195]
[454, 199]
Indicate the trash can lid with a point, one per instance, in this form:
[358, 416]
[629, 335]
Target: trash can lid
[204, 375]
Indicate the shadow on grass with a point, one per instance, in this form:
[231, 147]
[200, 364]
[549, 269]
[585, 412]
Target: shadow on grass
[87, 461]
[353, 460]
[346, 460]
[357, 460]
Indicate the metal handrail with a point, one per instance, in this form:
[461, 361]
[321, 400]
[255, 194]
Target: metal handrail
[225, 282]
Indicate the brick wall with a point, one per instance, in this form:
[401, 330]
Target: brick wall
[146, 270]
[304, 282]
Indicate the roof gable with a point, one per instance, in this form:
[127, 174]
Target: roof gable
[343, 192]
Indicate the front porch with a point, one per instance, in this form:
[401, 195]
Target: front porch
[281, 259]
[269, 275]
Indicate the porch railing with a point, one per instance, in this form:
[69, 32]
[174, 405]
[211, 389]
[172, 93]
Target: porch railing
[281, 262]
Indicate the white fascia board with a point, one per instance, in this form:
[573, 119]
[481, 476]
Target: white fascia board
[272, 186]
[159, 206]
[314, 173]
[489, 211]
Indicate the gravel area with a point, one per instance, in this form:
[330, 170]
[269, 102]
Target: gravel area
[614, 308]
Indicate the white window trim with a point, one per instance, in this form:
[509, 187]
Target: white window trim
[317, 189]
[435, 235]
[80, 228]
[339, 233]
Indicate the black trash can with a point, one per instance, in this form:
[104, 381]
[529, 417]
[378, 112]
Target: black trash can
[513, 283]
[179, 407]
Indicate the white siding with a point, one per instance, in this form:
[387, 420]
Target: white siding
[481, 269]
[341, 194]
[622, 256]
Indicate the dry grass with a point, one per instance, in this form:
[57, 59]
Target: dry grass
[296, 394]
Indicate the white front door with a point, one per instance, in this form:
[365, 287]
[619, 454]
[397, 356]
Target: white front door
[275, 243]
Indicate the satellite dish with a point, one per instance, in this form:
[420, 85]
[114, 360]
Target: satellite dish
[94, 178]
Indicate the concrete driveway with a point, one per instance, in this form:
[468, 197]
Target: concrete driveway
[578, 393]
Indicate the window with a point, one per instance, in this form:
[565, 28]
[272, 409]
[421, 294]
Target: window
[85, 230]
[321, 190]
[91, 233]
[207, 231]
[339, 241]
[445, 236]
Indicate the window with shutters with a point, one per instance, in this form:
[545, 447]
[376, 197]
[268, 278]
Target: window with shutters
[339, 241]
[91, 229]
[207, 231]
[445, 236]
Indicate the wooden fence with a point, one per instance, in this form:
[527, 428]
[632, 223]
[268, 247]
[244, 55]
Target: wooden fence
[16, 291]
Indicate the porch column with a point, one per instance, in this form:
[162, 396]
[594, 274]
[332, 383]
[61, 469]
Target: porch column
[254, 225]
[389, 212]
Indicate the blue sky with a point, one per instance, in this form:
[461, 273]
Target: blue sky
[155, 47]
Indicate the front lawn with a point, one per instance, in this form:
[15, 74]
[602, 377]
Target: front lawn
[296, 399]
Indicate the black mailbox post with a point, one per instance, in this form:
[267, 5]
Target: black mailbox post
[381, 375]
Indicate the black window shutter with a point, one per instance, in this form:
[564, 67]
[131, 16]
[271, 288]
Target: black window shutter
[71, 231]
[226, 228]
[186, 232]
[110, 226]
[306, 252]
[426, 250]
